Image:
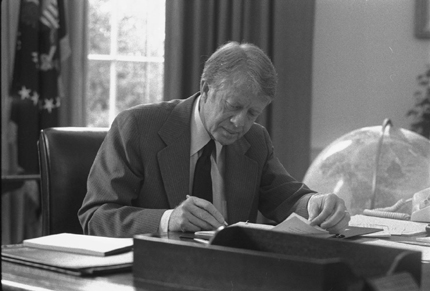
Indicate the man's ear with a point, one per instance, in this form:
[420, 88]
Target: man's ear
[204, 89]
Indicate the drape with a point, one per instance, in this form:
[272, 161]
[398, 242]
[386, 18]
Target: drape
[21, 208]
[74, 70]
[282, 28]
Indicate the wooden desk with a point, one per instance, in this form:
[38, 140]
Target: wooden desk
[19, 277]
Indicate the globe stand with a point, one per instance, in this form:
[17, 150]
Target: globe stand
[386, 124]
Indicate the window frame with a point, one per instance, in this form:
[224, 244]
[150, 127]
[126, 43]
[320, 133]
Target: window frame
[113, 58]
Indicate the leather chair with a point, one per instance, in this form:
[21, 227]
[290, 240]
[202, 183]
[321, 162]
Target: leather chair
[66, 155]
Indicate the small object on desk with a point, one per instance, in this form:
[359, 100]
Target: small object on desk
[386, 214]
[202, 241]
[204, 234]
[422, 215]
[421, 206]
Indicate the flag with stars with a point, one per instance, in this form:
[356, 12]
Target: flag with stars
[35, 89]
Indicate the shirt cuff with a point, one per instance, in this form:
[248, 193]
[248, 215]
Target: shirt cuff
[164, 223]
[301, 207]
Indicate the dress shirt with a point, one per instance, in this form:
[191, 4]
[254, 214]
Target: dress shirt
[199, 138]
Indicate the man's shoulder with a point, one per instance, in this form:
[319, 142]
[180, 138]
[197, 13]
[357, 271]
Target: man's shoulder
[160, 107]
[256, 131]
[157, 111]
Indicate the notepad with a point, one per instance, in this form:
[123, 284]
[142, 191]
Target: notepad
[81, 244]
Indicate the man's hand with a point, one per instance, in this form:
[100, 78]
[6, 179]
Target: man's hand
[329, 212]
[195, 214]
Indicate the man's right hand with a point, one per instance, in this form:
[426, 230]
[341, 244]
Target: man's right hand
[195, 214]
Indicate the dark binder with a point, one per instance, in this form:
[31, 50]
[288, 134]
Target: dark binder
[251, 259]
[67, 263]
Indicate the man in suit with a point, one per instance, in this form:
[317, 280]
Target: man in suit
[147, 174]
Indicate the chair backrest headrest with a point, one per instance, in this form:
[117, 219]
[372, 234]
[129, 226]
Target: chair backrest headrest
[66, 155]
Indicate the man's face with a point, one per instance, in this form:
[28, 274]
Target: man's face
[229, 113]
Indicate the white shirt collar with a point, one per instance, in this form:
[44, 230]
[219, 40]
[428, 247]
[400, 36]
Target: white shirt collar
[199, 135]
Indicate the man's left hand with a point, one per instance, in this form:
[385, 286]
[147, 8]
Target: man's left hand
[329, 212]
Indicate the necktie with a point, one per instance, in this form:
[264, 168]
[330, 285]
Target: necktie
[202, 185]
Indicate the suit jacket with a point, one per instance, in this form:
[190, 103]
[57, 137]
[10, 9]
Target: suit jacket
[142, 169]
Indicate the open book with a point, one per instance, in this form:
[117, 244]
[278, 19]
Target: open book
[292, 224]
[295, 224]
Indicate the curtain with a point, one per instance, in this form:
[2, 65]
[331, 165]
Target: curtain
[283, 29]
[20, 212]
[74, 70]
[19, 206]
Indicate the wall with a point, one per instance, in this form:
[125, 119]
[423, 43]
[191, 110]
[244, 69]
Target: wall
[366, 60]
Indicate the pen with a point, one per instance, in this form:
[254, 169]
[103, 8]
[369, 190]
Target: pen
[199, 240]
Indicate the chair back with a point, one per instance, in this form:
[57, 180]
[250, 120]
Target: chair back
[66, 155]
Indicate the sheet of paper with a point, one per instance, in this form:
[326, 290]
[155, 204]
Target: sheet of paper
[299, 225]
[395, 227]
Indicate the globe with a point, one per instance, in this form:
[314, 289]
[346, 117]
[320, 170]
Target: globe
[373, 167]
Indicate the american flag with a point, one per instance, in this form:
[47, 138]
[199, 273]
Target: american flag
[35, 89]
[49, 15]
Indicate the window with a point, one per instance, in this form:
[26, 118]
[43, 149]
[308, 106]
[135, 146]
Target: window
[126, 57]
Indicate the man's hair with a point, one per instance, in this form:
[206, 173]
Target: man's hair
[235, 63]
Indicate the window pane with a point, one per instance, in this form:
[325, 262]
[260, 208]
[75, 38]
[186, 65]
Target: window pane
[141, 28]
[133, 29]
[99, 26]
[131, 84]
[156, 82]
[138, 83]
[98, 94]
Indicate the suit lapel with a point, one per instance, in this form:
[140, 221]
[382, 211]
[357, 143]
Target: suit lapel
[174, 159]
[241, 177]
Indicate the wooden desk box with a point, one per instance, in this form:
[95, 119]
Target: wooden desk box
[252, 259]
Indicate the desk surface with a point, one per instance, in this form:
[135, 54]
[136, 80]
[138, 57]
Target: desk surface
[19, 277]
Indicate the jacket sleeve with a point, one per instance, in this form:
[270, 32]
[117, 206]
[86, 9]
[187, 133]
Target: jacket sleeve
[280, 193]
[114, 184]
